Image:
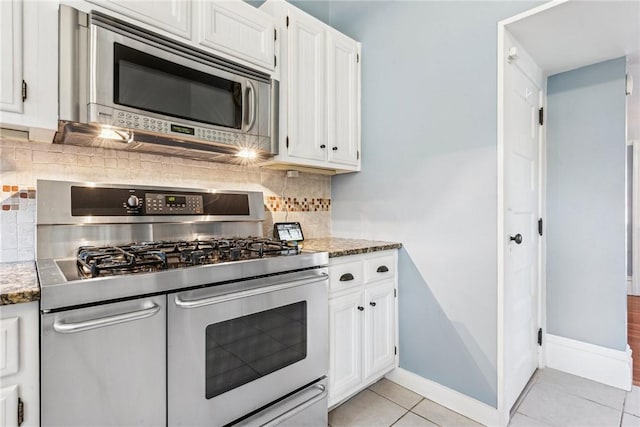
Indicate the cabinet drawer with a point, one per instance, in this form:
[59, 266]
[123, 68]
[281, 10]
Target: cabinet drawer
[381, 267]
[345, 275]
[9, 342]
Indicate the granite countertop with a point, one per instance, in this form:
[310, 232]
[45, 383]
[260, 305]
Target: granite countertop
[18, 282]
[337, 246]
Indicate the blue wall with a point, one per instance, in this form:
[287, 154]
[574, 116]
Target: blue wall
[429, 176]
[586, 272]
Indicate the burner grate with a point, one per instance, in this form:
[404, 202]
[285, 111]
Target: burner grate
[94, 261]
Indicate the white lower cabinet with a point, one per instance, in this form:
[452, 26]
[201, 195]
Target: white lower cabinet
[345, 332]
[19, 365]
[379, 329]
[9, 406]
[362, 322]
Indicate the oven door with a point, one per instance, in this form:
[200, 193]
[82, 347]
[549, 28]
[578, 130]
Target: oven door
[231, 352]
[104, 365]
[133, 79]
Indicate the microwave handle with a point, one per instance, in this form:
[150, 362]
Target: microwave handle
[252, 104]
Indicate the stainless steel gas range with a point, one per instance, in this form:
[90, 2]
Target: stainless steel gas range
[159, 309]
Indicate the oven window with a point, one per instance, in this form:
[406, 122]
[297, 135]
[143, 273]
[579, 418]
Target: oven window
[246, 348]
[149, 83]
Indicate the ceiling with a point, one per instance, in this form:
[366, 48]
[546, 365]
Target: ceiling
[572, 34]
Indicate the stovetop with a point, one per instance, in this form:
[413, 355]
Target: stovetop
[184, 246]
[126, 271]
[145, 257]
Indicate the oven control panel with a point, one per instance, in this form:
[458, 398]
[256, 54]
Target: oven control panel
[171, 204]
[109, 201]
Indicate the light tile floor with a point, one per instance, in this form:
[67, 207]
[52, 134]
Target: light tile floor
[554, 398]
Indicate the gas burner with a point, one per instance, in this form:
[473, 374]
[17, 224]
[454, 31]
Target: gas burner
[141, 257]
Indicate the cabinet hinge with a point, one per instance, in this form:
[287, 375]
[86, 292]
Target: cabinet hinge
[395, 293]
[20, 411]
[540, 226]
[275, 34]
[541, 116]
[24, 91]
[357, 57]
[540, 336]
[287, 22]
[287, 142]
[358, 155]
[275, 61]
[395, 350]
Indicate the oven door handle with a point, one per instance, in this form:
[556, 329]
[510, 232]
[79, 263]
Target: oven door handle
[248, 293]
[69, 328]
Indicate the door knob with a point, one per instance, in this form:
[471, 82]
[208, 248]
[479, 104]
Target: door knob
[517, 238]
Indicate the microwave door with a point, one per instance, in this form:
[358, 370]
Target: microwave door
[142, 77]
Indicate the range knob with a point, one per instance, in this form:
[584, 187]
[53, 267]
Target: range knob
[133, 201]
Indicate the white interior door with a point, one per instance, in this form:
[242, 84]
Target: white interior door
[521, 195]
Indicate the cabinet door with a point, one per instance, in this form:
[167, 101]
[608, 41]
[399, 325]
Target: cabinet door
[238, 29]
[9, 406]
[11, 54]
[345, 346]
[379, 329]
[306, 88]
[169, 15]
[343, 100]
[9, 343]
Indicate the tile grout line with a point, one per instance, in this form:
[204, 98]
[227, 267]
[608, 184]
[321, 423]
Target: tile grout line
[401, 416]
[407, 410]
[395, 403]
[568, 393]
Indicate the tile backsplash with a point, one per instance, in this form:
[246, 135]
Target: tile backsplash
[305, 199]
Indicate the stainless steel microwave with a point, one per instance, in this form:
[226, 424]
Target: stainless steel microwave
[124, 87]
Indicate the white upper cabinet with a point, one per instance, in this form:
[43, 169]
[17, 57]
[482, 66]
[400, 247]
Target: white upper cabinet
[232, 29]
[170, 15]
[306, 113]
[239, 29]
[29, 68]
[343, 72]
[11, 54]
[319, 71]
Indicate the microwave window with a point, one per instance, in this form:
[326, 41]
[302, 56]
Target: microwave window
[153, 84]
[246, 348]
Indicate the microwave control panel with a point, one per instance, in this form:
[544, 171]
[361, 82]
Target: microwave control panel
[140, 122]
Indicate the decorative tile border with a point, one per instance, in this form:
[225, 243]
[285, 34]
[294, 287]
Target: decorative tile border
[292, 204]
[11, 195]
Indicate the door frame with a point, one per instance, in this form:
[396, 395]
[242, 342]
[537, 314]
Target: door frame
[503, 412]
[635, 213]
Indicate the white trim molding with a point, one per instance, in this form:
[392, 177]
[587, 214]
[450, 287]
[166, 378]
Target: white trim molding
[635, 236]
[601, 364]
[456, 401]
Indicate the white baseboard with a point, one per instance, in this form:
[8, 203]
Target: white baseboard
[456, 401]
[601, 364]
